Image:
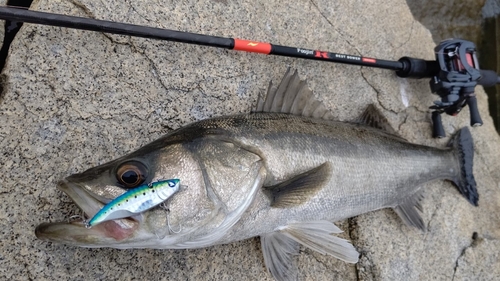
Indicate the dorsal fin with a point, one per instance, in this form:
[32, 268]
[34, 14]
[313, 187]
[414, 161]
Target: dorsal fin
[373, 118]
[292, 96]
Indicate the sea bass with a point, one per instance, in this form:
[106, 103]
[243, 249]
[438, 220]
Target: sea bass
[284, 172]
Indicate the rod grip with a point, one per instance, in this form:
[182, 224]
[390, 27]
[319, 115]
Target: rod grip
[417, 68]
[475, 118]
[437, 126]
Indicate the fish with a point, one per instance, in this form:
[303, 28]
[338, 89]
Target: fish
[286, 171]
[136, 201]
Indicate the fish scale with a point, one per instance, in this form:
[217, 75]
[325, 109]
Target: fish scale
[136, 201]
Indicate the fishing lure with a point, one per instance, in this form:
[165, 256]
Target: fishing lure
[135, 201]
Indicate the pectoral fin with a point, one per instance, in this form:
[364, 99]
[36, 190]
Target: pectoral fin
[407, 210]
[300, 188]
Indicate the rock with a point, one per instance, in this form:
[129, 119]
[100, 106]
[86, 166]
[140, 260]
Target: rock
[450, 19]
[490, 9]
[76, 99]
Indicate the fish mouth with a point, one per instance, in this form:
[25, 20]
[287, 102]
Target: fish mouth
[76, 233]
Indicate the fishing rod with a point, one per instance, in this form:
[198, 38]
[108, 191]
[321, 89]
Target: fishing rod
[454, 74]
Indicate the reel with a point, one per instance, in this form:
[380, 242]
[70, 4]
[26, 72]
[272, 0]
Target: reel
[454, 82]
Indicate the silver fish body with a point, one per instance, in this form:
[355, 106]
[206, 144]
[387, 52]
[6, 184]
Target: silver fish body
[369, 169]
[284, 175]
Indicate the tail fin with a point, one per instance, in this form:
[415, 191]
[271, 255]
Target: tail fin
[463, 145]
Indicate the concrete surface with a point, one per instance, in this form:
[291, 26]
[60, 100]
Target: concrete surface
[76, 99]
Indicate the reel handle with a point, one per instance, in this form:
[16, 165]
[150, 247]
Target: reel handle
[437, 125]
[475, 118]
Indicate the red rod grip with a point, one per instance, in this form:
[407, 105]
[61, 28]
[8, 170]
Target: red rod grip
[252, 46]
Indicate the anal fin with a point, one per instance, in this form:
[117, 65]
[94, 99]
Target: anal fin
[408, 210]
[300, 188]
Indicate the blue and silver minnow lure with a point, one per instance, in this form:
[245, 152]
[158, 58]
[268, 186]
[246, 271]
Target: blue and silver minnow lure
[135, 201]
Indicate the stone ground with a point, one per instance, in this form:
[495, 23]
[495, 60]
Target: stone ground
[75, 99]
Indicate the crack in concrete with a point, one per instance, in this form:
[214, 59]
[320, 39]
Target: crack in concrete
[352, 225]
[434, 213]
[4, 85]
[91, 15]
[167, 127]
[419, 110]
[405, 111]
[333, 26]
[110, 38]
[409, 36]
[134, 9]
[408, 115]
[166, 87]
[472, 244]
[378, 94]
[369, 270]
[402, 123]
[83, 8]
[432, 216]
[319, 261]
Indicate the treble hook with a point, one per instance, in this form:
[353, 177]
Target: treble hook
[164, 206]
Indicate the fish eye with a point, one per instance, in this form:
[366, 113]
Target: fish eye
[172, 183]
[131, 174]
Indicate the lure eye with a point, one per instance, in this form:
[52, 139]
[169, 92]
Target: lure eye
[131, 174]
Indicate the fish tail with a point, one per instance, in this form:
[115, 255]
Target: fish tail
[463, 145]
